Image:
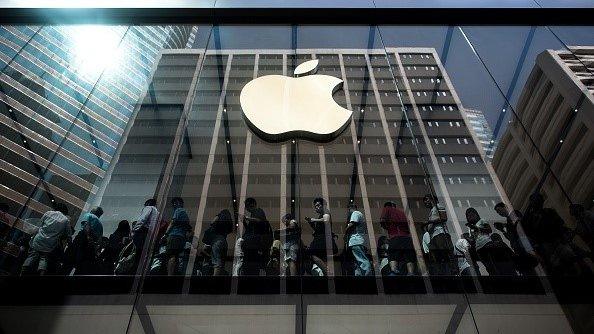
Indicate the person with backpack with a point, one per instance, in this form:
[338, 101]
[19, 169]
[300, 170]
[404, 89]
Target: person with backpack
[439, 246]
[86, 244]
[55, 227]
[176, 235]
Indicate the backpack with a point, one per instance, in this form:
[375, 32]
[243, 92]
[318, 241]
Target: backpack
[126, 260]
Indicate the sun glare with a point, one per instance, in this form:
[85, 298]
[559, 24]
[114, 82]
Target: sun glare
[94, 48]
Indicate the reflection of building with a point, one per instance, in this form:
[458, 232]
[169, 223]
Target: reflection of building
[68, 94]
[478, 123]
[556, 109]
[141, 163]
[220, 162]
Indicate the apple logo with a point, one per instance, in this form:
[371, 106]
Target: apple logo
[279, 108]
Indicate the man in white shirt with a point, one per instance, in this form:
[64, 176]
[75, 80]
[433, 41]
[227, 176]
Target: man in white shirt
[356, 242]
[145, 222]
[54, 228]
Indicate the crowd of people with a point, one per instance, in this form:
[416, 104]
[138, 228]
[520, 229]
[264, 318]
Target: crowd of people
[513, 247]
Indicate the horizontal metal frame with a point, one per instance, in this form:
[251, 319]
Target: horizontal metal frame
[209, 15]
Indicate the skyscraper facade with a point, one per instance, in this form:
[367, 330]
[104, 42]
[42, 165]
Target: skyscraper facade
[68, 95]
[555, 110]
[408, 138]
[483, 131]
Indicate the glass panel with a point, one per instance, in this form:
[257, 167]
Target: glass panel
[428, 186]
[444, 83]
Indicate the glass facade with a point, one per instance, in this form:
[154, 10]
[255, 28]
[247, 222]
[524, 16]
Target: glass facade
[458, 198]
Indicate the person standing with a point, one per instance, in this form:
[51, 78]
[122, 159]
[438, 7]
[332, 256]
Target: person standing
[92, 224]
[495, 255]
[317, 248]
[510, 229]
[215, 241]
[117, 240]
[257, 238]
[440, 245]
[291, 243]
[525, 259]
[356, 241]
[147, 220]
[401, 252]
[87, 242]
[176, 235]
[54, 228]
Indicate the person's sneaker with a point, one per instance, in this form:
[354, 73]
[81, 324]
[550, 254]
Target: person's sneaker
[394, 273]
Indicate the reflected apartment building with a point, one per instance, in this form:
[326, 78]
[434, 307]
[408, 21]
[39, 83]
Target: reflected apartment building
[556, 109]
[407, 138]
[481, 128]
[68, 94]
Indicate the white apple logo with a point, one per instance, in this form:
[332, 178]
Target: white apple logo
[279, 108]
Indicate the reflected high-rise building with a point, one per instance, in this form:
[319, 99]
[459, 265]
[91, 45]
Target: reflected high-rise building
[555, 109]
[202, 150]
[483, 131]
[68, 96]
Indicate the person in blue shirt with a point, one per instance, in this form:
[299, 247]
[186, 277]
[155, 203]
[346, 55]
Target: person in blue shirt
[357, 229]
[91, 224]
[177, 234]
[87, 242]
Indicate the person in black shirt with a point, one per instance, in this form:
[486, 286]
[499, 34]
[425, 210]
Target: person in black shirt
[317, 248]
[257, 238]
[525, 259]
[117, 240]
[510, 228]
[215, 241]
[549, 237]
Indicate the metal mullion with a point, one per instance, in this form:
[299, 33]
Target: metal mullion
[398, 174]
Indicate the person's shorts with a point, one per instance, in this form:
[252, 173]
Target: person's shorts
[36, 261]
[401, 249]
[219, 252]
[291, 251]
[175, 245]
[317, 248]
